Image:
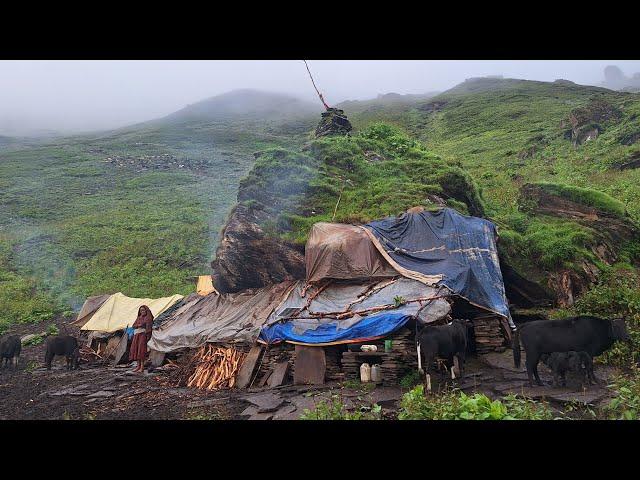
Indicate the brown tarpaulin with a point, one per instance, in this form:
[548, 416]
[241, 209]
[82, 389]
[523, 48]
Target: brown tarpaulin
[346, 252]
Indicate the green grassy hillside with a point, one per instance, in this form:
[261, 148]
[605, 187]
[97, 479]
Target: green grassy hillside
[136, 210]
[375, 173]
[506, 133]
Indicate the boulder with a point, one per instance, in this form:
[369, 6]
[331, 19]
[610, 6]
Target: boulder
[248, 258]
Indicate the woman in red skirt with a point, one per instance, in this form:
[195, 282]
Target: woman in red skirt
[141, 335]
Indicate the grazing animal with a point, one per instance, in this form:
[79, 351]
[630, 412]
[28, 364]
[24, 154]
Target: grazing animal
[579, 334]
[444, 341]
[562, 362]
[10, 348]
[63, 345]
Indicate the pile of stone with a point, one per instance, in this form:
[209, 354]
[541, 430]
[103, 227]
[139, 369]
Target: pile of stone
[334, 122]
[488, 334]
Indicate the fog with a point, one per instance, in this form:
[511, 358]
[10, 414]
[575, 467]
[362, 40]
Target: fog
[40, 97]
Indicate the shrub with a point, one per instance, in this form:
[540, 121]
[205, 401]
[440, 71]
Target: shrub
[456, 405]
[626, 403]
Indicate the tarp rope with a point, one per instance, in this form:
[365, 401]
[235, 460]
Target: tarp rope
[314, 86]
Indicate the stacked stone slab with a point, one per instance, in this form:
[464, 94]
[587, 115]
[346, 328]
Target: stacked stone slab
[334, 122]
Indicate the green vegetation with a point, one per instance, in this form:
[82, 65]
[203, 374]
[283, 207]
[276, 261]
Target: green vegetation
[20, 299]
[35, 340]
[334, 409]
[548, 242]
[625, 405]
[377, 173]
[411, 379]
[616, 295]
[456, 405]
[136, 210]
[506, 133]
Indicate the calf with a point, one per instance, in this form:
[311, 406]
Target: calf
[561, 363]
[580, 334]
[62, 345]
[445, 341]
[10, 348]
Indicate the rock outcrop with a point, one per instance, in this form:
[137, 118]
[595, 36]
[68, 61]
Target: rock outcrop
[587, 122]
[248, 257]
[610, 233]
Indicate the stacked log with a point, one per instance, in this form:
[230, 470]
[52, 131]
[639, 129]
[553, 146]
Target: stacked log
[488, 334]
[216, 367]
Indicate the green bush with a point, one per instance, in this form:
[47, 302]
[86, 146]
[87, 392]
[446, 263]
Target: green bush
[456, 405]
[411, 379]
[626, 403]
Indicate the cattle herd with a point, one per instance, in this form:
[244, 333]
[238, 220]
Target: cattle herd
[62, 345]
[563, 345]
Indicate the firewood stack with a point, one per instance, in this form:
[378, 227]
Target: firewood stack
[488, 334]
[216, 367]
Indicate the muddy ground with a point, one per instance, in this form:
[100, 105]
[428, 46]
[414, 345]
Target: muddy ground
[98, 391]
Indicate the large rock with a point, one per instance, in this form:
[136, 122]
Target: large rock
[248, 258]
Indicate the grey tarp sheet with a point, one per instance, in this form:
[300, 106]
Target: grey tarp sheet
[337, 297]
[236, 318]
[226, 318]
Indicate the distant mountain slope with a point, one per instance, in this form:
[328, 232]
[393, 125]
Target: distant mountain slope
[245, 103]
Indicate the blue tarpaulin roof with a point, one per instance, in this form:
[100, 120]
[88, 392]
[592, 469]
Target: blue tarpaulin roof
[461, 249]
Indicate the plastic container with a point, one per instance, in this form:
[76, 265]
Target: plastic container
[365, 373]
[388, 344]
[376, 373]
[369, 348]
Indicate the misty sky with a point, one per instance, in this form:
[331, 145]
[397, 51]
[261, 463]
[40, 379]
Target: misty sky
[74, 96]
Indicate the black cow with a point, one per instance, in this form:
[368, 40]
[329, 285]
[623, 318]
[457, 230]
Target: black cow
[580, 334]
[562, 362]
[10, 348]
[63, 345]
[444, 341]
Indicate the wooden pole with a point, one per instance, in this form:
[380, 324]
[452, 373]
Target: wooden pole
[327, 107]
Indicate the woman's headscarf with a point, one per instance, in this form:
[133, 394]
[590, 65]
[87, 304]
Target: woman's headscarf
[144, 316]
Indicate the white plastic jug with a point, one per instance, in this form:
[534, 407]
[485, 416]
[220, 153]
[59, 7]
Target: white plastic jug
[376, 373]
[365, 373]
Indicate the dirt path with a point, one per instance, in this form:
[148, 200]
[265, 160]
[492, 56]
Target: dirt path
[97, 391]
